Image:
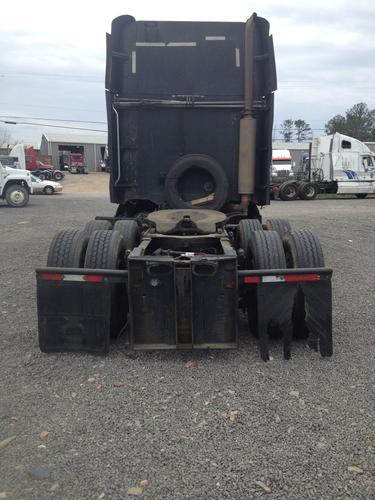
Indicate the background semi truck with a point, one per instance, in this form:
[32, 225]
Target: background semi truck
[336, 164]
[42, 166]
[190, 113]
[282, 166]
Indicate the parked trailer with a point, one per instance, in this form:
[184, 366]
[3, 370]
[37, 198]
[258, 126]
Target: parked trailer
[337, 164]
[190, 111]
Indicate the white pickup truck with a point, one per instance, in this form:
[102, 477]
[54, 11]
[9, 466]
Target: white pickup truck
[15, 186]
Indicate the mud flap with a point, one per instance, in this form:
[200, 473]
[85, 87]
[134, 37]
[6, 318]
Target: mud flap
[189, 304]
[318, 305]
[79, 310]
[297, 302]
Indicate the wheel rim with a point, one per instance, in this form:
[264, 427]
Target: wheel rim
[310, 192]
[290, 192]
[17, 197]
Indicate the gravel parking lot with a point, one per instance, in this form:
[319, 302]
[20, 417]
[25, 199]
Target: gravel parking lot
[181, 425]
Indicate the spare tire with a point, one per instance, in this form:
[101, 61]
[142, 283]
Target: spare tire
[196, 181]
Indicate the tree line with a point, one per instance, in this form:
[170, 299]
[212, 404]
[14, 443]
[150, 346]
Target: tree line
[358, 122]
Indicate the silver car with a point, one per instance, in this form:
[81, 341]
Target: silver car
[45, 187]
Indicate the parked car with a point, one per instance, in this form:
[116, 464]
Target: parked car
[45, 187]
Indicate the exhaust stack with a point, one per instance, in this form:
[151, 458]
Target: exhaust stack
[246, 164]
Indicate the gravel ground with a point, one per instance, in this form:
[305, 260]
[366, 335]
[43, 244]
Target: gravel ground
[177, 425]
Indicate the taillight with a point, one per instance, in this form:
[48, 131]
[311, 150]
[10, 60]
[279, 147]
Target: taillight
[52, 276]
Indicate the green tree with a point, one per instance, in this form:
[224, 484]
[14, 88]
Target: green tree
[302, 130]
[358, 122]
[336, 124]
[287, 130]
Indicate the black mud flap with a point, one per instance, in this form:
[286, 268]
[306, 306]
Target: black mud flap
[296, 301]
[187, 304]
[80, 309]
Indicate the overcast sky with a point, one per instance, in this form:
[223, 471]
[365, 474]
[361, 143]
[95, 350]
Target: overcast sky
[53, 56]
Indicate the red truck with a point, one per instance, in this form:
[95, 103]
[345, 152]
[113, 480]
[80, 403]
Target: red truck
[74, 162]
[41, 166]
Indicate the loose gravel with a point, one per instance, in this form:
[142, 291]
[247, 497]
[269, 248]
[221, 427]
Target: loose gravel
[183, 425]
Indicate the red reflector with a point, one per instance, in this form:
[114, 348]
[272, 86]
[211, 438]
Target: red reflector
[302, 277]
[51, 276]
[252, 279]
[93, 278]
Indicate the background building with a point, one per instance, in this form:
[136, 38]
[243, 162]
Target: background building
[91, 146]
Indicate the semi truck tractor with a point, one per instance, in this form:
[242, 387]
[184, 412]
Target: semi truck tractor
[282, 166]
[40, 166]
[336, 164]
[15, 186]
[186, 253]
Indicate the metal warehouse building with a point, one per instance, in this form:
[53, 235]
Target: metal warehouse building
[91, 146]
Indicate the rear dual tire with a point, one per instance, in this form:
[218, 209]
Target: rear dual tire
[105, 250]
[97, 225]
[68, 249]
[290, 191]
[303, 250]
[308, 191]
[281, 226]
[265, 251]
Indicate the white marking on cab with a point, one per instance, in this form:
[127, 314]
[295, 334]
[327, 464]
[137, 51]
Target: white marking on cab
[214, 38]
[150, 44]
[166, 44]
[237, 58]
[134, 61]
[181, 44]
